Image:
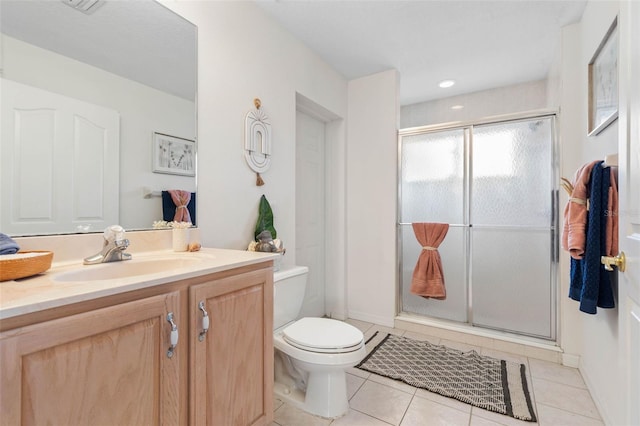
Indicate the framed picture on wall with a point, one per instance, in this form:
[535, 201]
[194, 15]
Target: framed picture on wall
[603, 82]
[173, 155]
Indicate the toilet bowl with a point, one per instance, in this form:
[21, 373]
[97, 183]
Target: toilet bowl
[311, 354]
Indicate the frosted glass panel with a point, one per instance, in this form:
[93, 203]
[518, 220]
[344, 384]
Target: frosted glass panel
[511, 280]
[511, 173]
[432, 177]
[454, 307]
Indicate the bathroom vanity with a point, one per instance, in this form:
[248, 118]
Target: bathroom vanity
[189, 345]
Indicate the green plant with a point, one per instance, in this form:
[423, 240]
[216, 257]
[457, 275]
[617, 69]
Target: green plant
[265, 219]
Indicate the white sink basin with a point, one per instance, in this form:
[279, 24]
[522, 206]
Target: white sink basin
[125, 269]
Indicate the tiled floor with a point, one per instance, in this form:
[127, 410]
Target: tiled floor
[559, 394]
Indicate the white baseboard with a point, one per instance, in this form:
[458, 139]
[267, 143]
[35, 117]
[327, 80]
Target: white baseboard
[338, 314]
[571, 360]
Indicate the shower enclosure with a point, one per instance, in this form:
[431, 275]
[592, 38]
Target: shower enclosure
[494, 184]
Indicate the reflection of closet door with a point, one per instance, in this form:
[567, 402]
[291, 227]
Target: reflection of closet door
[60, 162]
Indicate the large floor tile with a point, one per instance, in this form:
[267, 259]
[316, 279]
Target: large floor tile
[556, 373]
[507, 356]
[382, 402]
[498, 418]
[393, 383]
[423, 412]
[353, 384]
[480, 421]
[422, 337]
[356, 418]
[464, 347]
[361, 325]
[550, 416]
[288, 415]
[565, 397]
[381, 330]
[360, 373]
[559, 395]
[444, 400]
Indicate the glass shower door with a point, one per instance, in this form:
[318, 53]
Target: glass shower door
[494, 185]
[512, 234]
[433, 190]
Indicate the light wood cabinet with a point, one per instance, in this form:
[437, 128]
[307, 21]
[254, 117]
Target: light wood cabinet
[106, 366]
[107, 362]
[233, 376]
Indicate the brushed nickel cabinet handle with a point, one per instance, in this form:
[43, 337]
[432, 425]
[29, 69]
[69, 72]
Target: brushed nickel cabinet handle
[174, 335]
[205, 321]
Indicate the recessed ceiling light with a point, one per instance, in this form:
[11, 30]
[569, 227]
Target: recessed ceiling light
[457, 107]
[446, 83]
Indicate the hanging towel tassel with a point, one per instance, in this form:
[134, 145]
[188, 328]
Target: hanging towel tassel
[181, 199]
[259, 181]
[574, 229]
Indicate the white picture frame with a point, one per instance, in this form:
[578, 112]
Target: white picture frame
[603, 82]
[173, 155]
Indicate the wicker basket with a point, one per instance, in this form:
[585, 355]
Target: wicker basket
[14, 266]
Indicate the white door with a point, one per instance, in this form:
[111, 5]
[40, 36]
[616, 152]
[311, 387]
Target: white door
[310, 209]
[60, 162]
[629, 203]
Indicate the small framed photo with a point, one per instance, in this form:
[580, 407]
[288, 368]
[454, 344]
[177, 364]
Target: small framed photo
[173, 155]
[603, 82]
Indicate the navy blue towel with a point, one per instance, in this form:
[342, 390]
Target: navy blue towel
[590, 282]
[7, 245]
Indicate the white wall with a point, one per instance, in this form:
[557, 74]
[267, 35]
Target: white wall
[592, 340]
[502, 100]
[242, 55]
[371, 197]
[172, 115]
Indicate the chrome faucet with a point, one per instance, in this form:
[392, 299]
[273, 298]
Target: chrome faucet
[113, 249]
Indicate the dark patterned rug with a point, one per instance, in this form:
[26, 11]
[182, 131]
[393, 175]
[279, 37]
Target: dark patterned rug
[485, 382]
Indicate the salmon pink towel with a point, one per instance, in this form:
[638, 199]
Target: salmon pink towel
[181, 199]
[428, 278]
[574, 232]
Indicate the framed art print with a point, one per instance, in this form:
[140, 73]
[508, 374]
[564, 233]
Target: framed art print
[603, 83]
[173, 155]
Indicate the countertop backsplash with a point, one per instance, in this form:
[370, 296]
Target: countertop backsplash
[75, 247]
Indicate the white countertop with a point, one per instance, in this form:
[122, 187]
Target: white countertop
[47, 290]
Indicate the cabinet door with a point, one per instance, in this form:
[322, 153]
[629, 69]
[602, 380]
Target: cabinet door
[103, 367]
[232, 364]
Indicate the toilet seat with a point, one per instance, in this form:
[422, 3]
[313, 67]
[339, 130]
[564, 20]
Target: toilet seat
[323, 335]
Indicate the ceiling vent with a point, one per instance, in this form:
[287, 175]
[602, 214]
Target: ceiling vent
[84, 6]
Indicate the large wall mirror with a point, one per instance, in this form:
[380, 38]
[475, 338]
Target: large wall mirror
[98, 109]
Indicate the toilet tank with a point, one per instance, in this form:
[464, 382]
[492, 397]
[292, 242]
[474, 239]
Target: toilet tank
[289, 285]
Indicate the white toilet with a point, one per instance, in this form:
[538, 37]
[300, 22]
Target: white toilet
[311, 354]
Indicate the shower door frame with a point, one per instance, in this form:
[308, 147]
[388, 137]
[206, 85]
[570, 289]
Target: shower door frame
[467, 127]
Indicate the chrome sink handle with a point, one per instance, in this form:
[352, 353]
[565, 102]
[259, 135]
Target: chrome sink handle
[113, 249]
